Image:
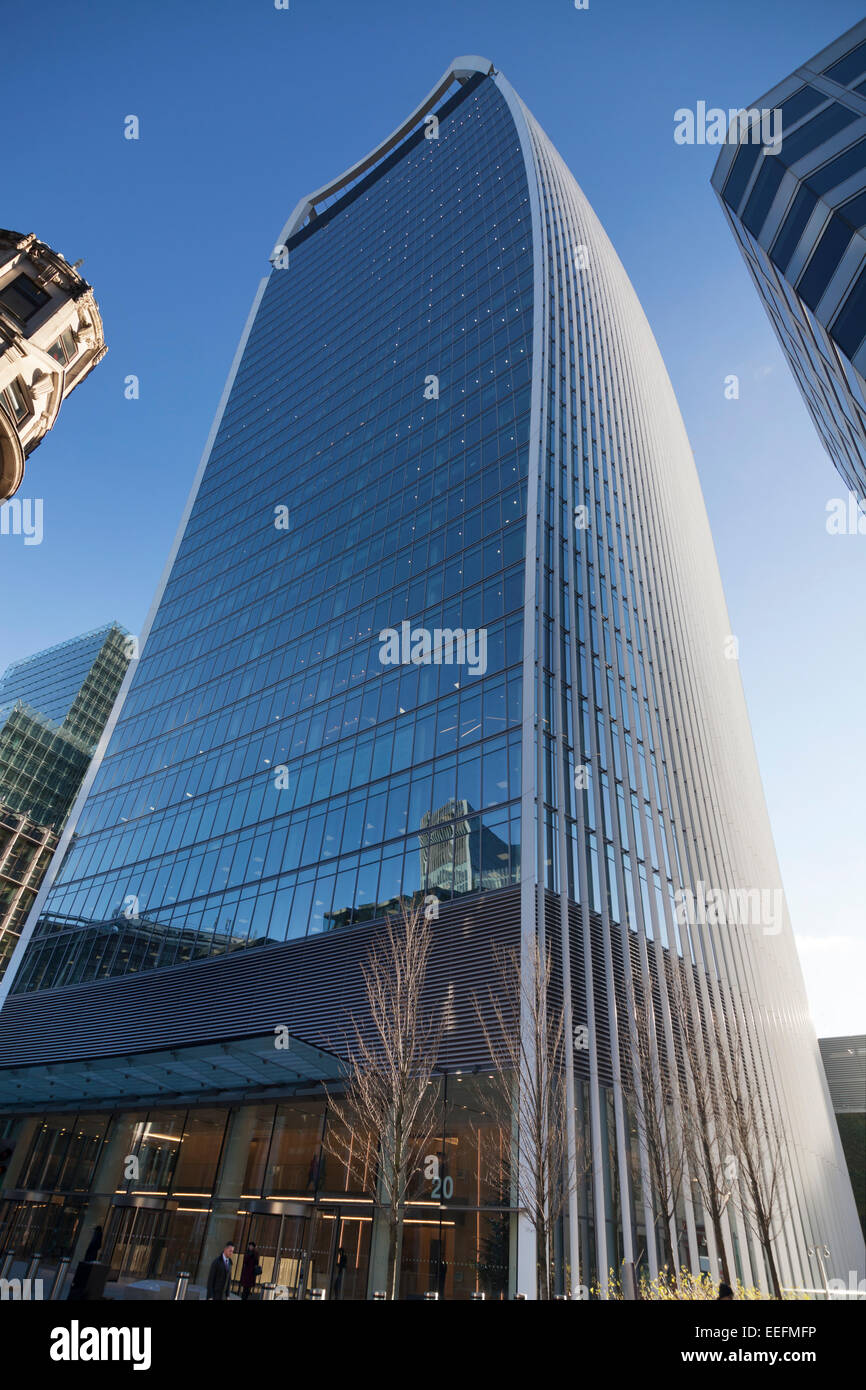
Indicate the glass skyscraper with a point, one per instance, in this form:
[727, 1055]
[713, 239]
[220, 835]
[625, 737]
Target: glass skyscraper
[799, 216]
[53, 708]
[448, 412]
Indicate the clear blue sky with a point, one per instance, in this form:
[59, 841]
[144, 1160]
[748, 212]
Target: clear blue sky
[243, 109]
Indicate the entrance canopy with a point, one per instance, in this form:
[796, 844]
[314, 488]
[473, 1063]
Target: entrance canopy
[236, 1067]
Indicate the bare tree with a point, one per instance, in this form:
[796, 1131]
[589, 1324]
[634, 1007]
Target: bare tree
[525, 1037]
[388, 1108]
[659, 1131]
[756, 1148]
[705, 1125]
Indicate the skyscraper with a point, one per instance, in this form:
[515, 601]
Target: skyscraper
[53, 708]
[443, 619]
[799, 216]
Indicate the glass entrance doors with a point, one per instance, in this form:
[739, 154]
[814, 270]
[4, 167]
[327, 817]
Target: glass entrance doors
[351, 1255]
[152, 1243]
[327, 1248]
[300, 1252]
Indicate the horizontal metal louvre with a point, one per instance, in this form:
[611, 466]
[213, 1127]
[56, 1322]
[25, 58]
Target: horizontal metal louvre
[311, 987]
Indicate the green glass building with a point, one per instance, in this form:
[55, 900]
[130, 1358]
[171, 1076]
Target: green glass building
[53, 708]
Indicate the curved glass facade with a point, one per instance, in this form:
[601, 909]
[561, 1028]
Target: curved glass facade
[338, 501]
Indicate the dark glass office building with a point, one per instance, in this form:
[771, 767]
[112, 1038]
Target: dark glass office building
[53, 708]
[844, 1061]
[447, 411]
[799, 216]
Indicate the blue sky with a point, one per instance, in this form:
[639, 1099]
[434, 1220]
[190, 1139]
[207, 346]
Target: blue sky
[243, 109]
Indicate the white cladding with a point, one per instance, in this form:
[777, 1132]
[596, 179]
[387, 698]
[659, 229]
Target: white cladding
[714, 824]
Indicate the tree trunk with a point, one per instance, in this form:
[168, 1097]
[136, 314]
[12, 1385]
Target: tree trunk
[767, 1245]
[668, 1248]
[541, 1260]
[393, 1273]
[720, 1247]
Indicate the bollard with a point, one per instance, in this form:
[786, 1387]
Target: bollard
[59, 1277]
[379, 1296]
[432, 1294]
[318, 1295]
[477, 1295]
[181, 1285]
[268, 1293]
[8, 1261]
[33, 1266]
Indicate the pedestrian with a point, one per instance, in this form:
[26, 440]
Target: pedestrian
[314, 1172]
[250, 1270]
[726, 1293]
[220, 1276]
[82, 1273]
[92, 1251]
[339, 1271]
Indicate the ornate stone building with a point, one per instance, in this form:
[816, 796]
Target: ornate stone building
[50, 338]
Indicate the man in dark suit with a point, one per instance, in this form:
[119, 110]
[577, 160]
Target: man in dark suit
[220, 1276]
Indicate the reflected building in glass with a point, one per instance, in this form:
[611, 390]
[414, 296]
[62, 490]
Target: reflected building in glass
[447, 410]
[459, 855]
[799, 216]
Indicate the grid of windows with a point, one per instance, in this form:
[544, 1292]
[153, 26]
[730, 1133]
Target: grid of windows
[802, 217]
[51, 679]
[53, 708]
[41, 767]
[618, 810]
[269, 776]
[25, 851]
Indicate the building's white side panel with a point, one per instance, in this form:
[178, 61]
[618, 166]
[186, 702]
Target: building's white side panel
[676, 613]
